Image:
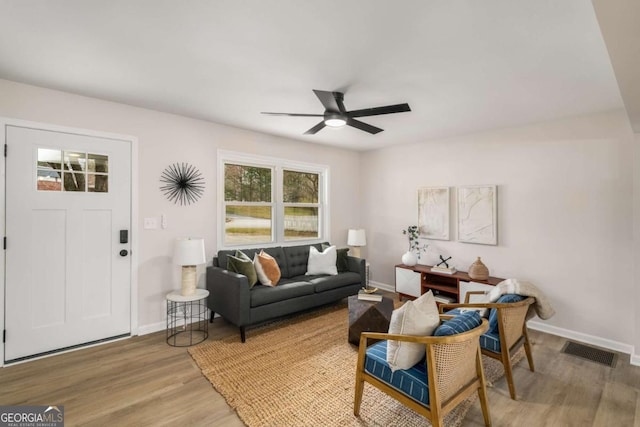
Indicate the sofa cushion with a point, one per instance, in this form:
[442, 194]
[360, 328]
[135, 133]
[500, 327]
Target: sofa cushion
[325, 283]
[261, 295]
[223, 256]
[242, 264]
[297, 258]
[411, 382]
[267, 269]
[342, 258]
[322, 262]
[275, 252]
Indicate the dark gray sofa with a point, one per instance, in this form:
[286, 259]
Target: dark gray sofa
[231, 297]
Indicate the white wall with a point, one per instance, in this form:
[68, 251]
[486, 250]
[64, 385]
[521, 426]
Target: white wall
[164, 139]
[565, 212]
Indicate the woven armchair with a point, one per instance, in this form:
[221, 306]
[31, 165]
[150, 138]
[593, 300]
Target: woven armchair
[453, 363]
[511, 334]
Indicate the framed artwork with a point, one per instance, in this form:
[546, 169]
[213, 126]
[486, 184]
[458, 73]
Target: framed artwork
[433, 213]
[477, 214]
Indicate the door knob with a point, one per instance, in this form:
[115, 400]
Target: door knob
[124, 252]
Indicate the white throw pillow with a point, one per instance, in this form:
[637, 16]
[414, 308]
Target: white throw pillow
[322, 262]
[419, 317]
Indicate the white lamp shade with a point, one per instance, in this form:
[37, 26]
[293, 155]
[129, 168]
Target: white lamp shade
[357, 238]
[189, 251]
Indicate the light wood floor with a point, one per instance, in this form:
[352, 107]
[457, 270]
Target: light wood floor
[142, 381]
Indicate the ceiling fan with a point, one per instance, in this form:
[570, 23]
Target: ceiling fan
[335, 114]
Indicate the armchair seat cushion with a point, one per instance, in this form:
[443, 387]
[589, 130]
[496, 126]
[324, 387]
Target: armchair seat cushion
[411, 382]
[490, 342]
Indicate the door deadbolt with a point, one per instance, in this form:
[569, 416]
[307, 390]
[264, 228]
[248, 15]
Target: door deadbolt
[124, 252]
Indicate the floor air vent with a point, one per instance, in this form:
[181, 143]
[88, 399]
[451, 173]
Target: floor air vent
[603, 357]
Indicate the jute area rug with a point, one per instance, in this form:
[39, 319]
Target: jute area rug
[301, 372]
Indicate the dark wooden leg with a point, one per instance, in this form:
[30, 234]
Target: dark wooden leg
[243, 336]
[212, 314]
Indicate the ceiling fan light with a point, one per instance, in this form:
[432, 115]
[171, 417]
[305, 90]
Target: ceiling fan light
[335, 121]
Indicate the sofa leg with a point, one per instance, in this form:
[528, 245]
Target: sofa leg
[243, 336]
[212, 315]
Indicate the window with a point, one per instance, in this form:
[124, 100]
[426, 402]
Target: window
[76, 171]
[270, 201]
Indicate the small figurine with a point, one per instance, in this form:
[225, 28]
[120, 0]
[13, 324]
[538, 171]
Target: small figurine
[443, 261]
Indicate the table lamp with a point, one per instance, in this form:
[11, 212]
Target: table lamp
[188, 253]
[356, 239]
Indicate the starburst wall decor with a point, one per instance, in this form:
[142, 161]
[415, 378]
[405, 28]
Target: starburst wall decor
[184, 183]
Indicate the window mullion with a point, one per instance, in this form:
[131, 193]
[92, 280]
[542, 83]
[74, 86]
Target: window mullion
[279, 207]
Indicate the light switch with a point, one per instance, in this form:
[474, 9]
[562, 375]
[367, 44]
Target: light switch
[150, 223]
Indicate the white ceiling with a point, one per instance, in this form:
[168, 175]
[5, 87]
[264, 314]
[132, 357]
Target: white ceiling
[463, 66]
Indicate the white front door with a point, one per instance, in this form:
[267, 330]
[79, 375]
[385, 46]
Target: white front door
[67, 283]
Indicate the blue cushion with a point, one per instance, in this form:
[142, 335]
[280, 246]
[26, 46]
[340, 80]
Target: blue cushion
[454, 312]
[461, 323]
[490, 342]
[410, 382]
[493, 313]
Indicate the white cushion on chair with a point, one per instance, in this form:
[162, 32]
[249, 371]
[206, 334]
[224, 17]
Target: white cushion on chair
[419, 317]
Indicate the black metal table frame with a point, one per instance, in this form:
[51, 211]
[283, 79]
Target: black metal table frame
[187, 317]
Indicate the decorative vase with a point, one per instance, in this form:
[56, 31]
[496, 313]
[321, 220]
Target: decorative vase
[478, 271]
[409, 258]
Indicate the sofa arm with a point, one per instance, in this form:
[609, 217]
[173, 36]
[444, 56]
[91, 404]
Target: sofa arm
[358, 265]
[229, 295]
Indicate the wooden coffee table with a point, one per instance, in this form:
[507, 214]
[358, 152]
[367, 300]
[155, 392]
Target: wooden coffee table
[368, 316]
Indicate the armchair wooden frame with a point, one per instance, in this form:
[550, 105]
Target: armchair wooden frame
[454, 372]
[512, 330]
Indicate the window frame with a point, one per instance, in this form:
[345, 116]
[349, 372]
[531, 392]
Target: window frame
[278, 166]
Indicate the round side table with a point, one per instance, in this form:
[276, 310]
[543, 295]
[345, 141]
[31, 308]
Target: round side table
[187, 318]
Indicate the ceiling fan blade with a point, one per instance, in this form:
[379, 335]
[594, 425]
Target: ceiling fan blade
[332, 101]
[363, 126]
[315, 129]
[376, 111]
[294, 114]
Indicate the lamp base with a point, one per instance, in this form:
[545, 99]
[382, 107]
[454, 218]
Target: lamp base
[355, 251]
[188, 280]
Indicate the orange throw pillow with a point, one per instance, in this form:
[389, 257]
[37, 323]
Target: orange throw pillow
[267, 269]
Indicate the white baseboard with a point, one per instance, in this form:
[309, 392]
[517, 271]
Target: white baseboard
[161, 326]
[154, 327]
[582, 337]
[566, 333]
[383, 286]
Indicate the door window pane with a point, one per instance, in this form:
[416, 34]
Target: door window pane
[300, 222]
[97, 163]
[247, 224]
[97, 183]
[74, 181]
[75, 161]
[51, 159]
[49, 180]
